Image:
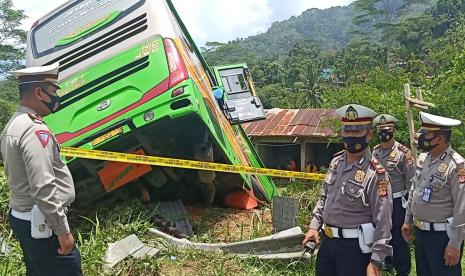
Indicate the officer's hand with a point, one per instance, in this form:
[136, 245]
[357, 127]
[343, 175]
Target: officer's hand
[312, 235]
[373, 270]
[452, 256]
[407, 231]
[66, 244]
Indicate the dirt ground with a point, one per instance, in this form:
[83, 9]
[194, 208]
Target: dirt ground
[229, 225]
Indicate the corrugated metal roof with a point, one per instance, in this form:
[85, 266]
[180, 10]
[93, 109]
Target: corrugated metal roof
[292, 122]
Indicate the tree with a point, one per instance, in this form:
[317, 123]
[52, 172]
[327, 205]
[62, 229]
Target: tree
[309, 85]
[268, 71]
[383, 14]
[358, 58]
[12, 38]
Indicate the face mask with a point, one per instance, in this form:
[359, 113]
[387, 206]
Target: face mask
[385, 136]
[425, 144]
[355, 144]
[54, 103]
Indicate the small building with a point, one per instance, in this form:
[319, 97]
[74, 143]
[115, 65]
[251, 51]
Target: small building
[302, 135]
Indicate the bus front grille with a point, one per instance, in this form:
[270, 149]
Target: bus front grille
[102, 43]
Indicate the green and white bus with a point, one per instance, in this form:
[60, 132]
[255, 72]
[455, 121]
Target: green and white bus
[133, 80]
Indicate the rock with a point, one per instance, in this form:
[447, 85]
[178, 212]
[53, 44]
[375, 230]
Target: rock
[129, 246]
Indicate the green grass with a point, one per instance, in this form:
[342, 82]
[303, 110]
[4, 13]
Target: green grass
[109, 224]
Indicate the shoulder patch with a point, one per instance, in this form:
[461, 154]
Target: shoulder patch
[383, 188]
[403, 148]
[461, 174]
[36, 118]
[339, 153]
[333, 164]
[458, 158]
[44, 136]
[377, 165]
[421, 158]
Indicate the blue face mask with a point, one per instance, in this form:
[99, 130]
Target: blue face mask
[355, 144]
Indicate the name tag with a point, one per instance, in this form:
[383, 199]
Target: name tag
[426, 196]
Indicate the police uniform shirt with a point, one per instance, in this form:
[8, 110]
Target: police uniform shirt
[357, 194]
[35, 172]
[438, 193]
[399, 164]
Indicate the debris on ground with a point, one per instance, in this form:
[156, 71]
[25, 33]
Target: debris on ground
[285, 245]
[129, 246]
[285, 211]
[175, 213]
[4, 247]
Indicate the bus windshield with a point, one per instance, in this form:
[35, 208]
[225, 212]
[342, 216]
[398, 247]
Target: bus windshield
[76, 21]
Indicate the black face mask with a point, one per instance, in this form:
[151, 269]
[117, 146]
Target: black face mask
[385, 136]
[355, 144]
[54, 103]
[425, 144]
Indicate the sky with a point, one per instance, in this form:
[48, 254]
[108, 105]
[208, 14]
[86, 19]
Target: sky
[211, 20]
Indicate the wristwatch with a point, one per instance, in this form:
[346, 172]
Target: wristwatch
[378, 264]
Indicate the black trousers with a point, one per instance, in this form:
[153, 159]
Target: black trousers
[41, 256]
[341, 257]
[401, 259]
[429, 254]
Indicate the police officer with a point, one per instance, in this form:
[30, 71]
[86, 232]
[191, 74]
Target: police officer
[399, 163]
[436, 203]
[355, 204]
[41, 186]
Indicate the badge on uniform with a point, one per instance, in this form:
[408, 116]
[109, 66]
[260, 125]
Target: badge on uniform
[426, 196]
[359, 176]
[442, 168]
[44, 137]
[392, 155]
[383, 188]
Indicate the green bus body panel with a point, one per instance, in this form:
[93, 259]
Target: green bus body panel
[267, 182]
[124, 87]
[122, 92]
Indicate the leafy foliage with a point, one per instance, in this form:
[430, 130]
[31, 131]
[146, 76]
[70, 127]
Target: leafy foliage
[12, 38]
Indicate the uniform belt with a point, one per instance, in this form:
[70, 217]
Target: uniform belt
[28, 215]
[399, 194]
[335, 232]
[22, 215]
[430, 226]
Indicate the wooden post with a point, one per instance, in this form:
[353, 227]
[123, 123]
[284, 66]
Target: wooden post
[303, 157]
[411, 125]
[419, 94]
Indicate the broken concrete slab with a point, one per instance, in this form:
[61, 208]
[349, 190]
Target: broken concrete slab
[129, 246]
[146, 251]
[279, 256]
[284, 213]
[287, 243]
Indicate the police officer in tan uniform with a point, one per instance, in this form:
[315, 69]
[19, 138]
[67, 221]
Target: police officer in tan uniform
[436, 203]
[355, 204]
[41, 186]
[399, 163]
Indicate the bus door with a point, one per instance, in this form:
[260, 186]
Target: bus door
[241, 102]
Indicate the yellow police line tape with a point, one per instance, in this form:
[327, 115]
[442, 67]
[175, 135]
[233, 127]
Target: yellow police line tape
[182, 163]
